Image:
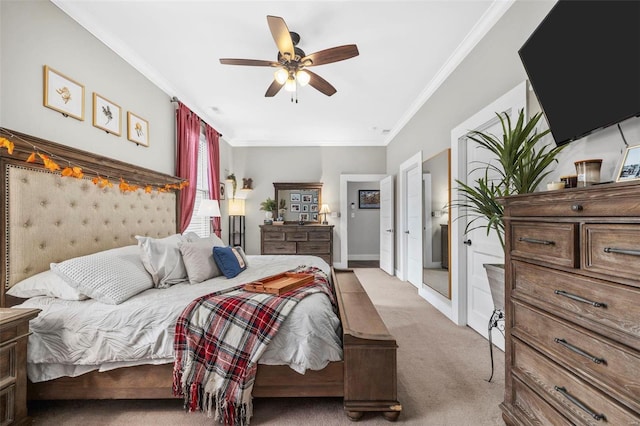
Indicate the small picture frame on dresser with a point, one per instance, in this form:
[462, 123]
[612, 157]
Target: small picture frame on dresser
[630, 167]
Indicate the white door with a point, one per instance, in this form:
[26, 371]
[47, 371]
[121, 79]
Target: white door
[387, 243]
[414, 226]
[481, 249]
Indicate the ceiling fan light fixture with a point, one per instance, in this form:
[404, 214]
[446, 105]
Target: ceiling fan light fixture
[281, 75]
[290, 85]
[303, 77]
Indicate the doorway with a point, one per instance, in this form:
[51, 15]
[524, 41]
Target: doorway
[345, 214]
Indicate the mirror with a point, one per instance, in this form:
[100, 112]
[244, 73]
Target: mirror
[436, 178]
[298, 202]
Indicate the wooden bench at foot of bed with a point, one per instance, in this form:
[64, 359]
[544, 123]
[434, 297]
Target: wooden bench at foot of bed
[367, 378]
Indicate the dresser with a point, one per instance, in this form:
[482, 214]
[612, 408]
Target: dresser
[573, 306]
[14, 333]
[316, 240]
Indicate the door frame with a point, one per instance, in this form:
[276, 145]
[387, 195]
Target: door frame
[344, 213]
[513, 100]
[401, 238]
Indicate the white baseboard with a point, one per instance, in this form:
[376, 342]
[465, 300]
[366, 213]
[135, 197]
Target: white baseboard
[364, 257]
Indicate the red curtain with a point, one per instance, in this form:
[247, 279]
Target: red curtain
[188, 125]
[213, 142]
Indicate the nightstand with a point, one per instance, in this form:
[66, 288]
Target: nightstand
[14, 333]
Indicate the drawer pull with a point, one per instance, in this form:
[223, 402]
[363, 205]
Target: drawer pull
[580, 299]
[578, 403]
[577, 207]
[622, 251]
[535, 241]
[578, 351]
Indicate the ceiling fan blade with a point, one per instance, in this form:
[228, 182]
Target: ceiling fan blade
[250, 62]
[320, 84]
[273, 89]
[334, 54]
[280, 33]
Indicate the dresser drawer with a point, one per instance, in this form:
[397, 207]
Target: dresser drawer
[612, 249]
[615, 368]
[530, 406]
[297, 236]
[7, 405]
[319, 236]
[314, 247]
[552, 205]
[279, 248]
[554, 243]
[576, 398]
[7, 364]
[613, 312]
[273, 236]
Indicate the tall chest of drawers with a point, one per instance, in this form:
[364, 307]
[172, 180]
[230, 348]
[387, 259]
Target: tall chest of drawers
[573, 307]
[316, 240]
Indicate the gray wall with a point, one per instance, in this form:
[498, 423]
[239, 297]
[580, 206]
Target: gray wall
[36, 33]
[364, 225]
[300, 164]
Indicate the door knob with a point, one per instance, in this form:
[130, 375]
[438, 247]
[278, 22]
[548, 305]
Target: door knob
[389, 230]
[406, 232]
[467, 242]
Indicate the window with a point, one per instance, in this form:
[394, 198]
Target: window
[201, 225]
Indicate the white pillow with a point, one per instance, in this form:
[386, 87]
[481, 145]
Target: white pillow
[110, 276]
[198, 258]
[45, 283]
[161, 258]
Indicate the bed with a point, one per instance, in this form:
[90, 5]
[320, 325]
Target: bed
[48, 218]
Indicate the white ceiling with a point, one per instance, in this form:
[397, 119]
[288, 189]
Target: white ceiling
[407, 48]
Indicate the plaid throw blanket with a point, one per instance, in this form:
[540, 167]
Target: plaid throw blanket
[219, 339]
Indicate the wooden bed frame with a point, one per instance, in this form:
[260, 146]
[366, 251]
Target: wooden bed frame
[366, 378]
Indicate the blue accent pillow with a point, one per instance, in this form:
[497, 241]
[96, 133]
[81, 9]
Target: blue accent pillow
[230, 260]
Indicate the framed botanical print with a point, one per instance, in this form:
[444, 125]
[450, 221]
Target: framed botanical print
[137, 129]
[107, 115]
[63, 94]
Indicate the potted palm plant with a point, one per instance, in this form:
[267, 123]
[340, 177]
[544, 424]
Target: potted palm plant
[268, 206]
[519, 166]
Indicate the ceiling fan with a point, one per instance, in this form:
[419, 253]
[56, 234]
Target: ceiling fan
[293, 63]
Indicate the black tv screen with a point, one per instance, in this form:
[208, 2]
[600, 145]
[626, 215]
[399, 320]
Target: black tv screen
[583, 62]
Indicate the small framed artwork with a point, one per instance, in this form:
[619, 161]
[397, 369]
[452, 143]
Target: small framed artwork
[63, 94]
[314, 217]
[295, 197]
[304, 217]
[630, 167]
[306, 198]
[137, 129]
[223, 189]
[305, 207]
[368, 199]
[106, 115]
[295, 208]
[314, 208]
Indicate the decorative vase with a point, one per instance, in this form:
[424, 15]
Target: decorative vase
[268, 215]
[495, 275]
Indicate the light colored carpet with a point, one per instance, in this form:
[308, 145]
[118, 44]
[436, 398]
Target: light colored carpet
[442, 378]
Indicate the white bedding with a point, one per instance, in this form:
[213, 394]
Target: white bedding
[73, 337]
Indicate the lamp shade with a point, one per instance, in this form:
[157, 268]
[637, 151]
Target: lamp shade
[209, 208]
[236, 207]
[325, 209]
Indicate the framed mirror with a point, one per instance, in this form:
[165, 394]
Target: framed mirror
[436, 179]
[298, 202]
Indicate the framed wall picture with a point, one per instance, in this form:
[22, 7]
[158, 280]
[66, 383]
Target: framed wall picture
[63, 94]
[306, 198]
[107, 115]
[368, 199]
[223, 189]
[304, 217]
[630, 167]
[137, 129]
[295, 208]
[295, 197]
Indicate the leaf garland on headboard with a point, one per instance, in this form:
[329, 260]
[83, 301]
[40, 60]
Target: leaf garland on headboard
[77, 172]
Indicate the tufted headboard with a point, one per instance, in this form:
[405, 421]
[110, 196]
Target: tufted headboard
[49, 218]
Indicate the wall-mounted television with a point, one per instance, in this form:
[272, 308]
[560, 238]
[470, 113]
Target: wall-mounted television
[583, 62]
